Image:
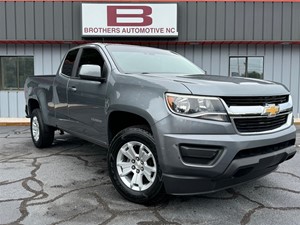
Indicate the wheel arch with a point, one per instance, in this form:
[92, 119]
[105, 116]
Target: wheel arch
[40, 99]
[32, 105]
[120, 119]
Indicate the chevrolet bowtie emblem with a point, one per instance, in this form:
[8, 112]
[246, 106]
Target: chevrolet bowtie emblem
[271, 110]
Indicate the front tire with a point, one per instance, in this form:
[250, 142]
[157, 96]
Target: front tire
[133, 166]
[42, 135]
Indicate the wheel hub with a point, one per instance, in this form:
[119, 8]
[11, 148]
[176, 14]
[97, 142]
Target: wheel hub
[136, 166]
[35, 127]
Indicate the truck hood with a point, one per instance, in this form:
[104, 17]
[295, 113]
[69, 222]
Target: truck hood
[212, 85]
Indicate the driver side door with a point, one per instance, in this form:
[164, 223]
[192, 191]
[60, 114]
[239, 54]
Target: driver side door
[87, 99]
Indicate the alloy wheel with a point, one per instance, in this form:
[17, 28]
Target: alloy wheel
[136, 166]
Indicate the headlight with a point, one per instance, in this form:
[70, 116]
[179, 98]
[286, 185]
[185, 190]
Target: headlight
[197, 107]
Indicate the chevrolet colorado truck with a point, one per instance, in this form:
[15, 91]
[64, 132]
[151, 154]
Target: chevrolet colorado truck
[168, 127]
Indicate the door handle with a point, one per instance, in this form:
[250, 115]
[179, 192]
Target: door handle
[73, 88]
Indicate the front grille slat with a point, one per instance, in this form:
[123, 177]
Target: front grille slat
[248, 125]
[264, 149]
[263, 124]
[255, 101]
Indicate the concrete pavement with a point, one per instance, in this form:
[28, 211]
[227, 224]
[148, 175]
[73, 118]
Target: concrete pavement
[68, 183]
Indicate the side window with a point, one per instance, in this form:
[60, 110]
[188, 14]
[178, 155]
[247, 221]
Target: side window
[91, 56]
[69, 63]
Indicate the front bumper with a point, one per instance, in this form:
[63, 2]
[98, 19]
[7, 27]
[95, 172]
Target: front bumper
[229, 168]
[252, 168]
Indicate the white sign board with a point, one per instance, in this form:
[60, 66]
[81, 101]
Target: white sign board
[131, 20]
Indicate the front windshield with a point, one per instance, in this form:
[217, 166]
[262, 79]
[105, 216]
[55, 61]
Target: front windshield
[133, 59]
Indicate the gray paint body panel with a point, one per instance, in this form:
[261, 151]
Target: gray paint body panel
[144, 95]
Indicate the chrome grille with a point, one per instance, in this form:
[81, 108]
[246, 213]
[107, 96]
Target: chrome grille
[259, 124]
[255, 100]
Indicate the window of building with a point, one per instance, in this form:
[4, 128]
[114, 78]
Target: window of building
[68, 65]
[14, 70]
[246, 66]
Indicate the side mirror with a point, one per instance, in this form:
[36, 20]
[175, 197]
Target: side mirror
[90, 72]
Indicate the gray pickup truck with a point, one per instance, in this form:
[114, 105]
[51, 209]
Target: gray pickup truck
[168, 127]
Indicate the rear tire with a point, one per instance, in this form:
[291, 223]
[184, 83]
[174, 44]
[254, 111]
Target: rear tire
[42, 135]
[133, 166]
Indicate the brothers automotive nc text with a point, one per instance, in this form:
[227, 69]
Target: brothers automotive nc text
[127, 30]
